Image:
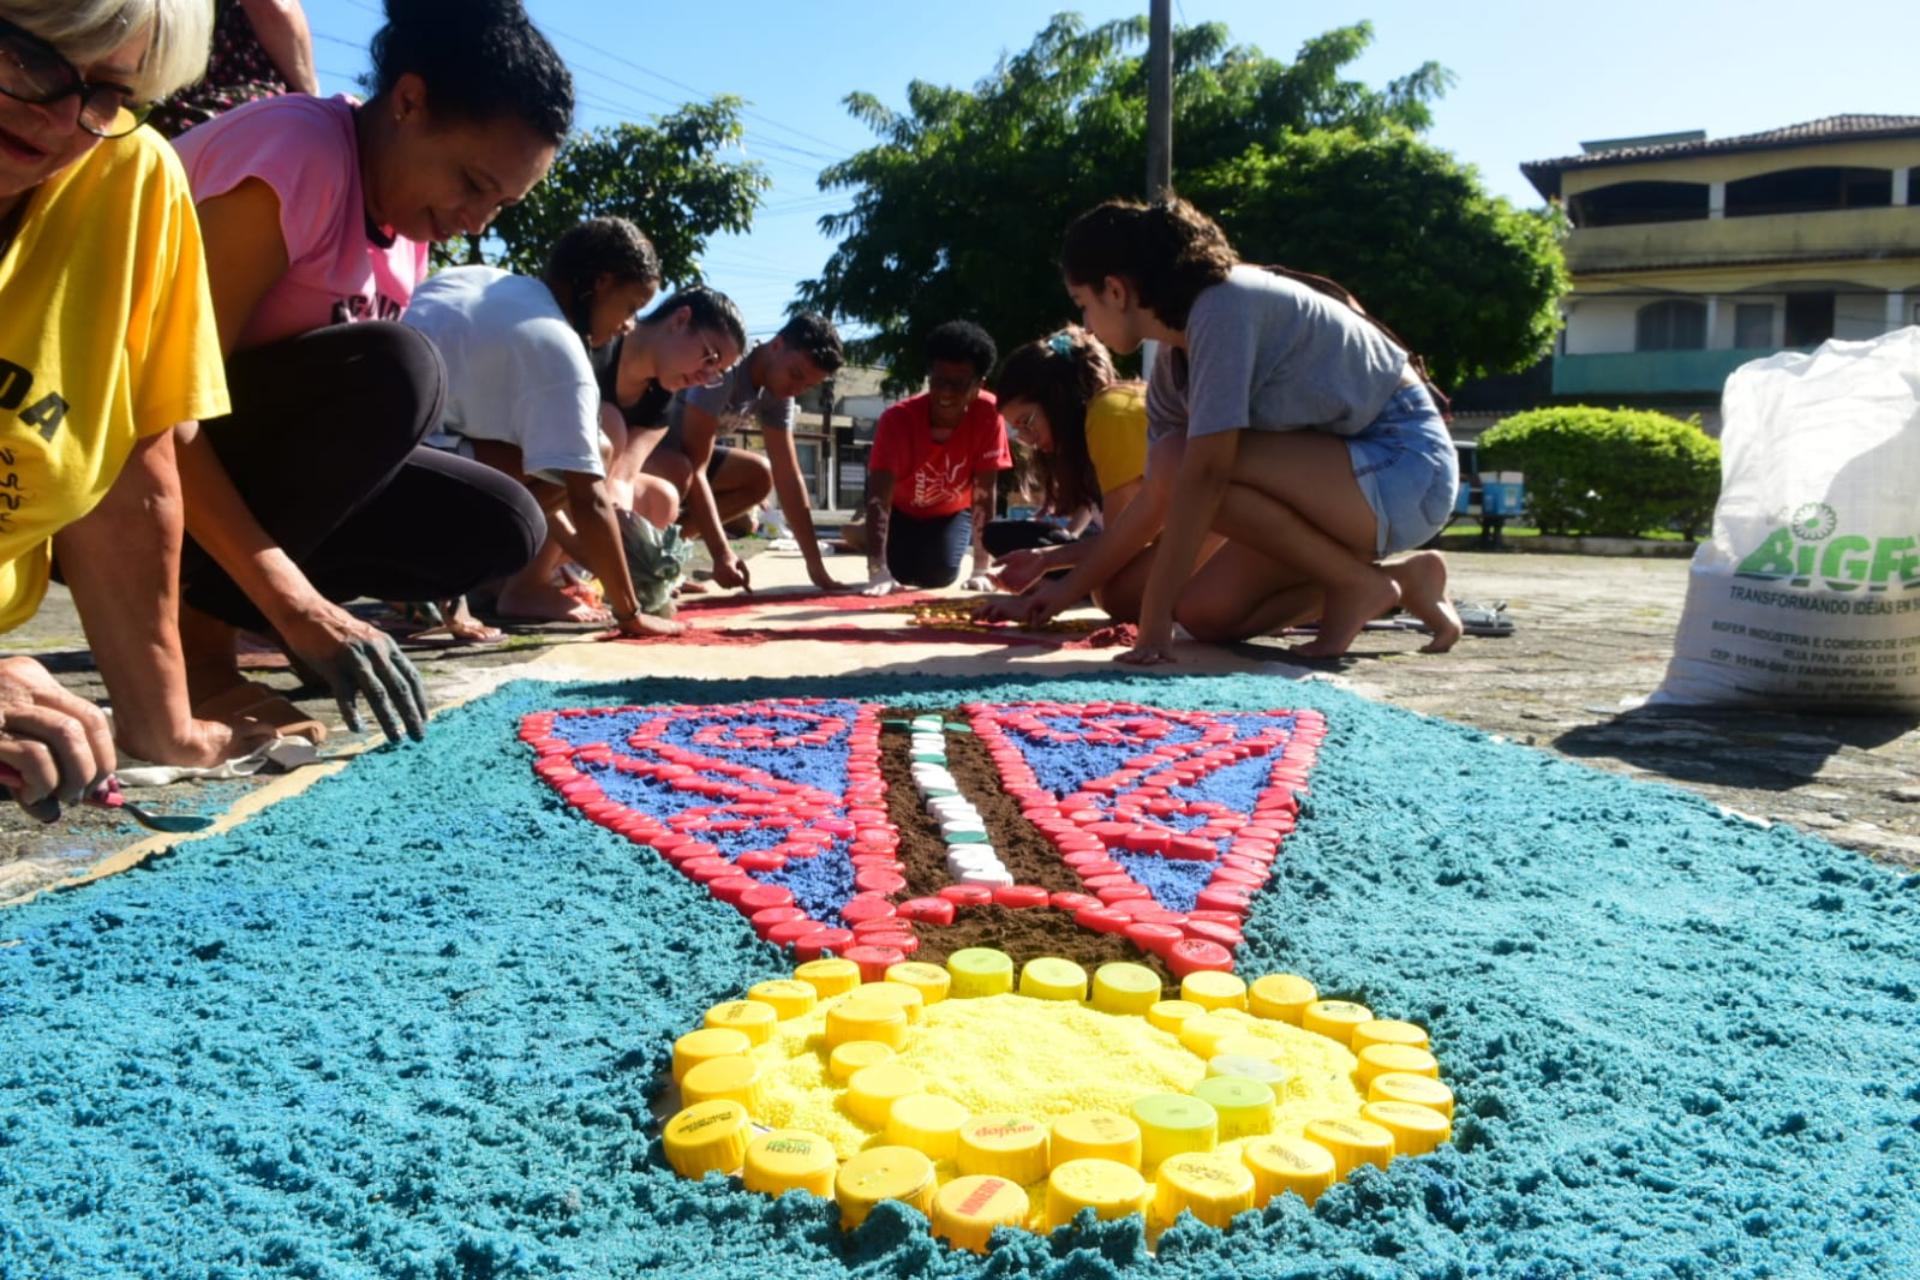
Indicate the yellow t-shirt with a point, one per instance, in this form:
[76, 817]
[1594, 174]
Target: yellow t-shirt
[1117, 435]
[106, 336]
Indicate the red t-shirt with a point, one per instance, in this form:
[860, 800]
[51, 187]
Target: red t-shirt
[935, 478]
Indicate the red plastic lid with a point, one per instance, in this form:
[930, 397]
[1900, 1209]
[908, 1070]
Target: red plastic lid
[813, 945]
[762, 896]
[708, 867]
[934, 911]
[879, 880]
[1213, 931]
[793, 930]
[761, 860]
[1021, 896]
[905, 943]
[1223, 898]
[967, 895]
[1102, 919]
[731, 889]
[771, 916]
[1124, 893]
[866, 907]
[881, 924]
[1191, 955]
[1153, 938]
[1195, 847]
[1074, 901]
[875, 961]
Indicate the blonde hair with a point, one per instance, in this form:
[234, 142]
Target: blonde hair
[84, 30]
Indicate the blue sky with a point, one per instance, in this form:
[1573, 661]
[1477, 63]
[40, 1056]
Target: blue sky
[1533, 79]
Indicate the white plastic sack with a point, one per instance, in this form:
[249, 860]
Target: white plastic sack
[1809, 592]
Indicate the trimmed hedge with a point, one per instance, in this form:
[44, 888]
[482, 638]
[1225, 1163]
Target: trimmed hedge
[1611, 472]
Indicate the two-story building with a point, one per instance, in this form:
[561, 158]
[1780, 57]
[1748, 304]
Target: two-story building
[1692, 255]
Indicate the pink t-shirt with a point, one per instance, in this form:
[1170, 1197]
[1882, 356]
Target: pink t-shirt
[935, 478]
[306, 149]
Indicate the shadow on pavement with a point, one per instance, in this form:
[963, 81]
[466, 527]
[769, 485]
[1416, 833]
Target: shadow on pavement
[1732, 747]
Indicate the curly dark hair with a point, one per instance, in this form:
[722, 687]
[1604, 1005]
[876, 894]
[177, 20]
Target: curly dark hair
[710, 311]
[814, 334]
[597, 247]
[1168, 251]
[1061, 373]
[480, 59]
[963, 342]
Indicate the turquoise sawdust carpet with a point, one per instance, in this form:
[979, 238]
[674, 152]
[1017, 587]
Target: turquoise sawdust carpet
[406, 1023]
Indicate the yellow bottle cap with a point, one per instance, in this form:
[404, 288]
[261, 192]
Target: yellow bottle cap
[898, 995]
[708, 1042]
[1266, 1071]
[830, 976]
[1167, 1015]
[980, 971]
[736, 1078]
[966, 1210]
[1110, 1189]
[930, 980]
[1211, 1185]
[787, 997]
[855, 1054]
[1202, 1034]
[1211, 989]
[1388, 1031]
[1280, 1164]
[873, 1091]
[707, 1137]
[1125, 988]
[1245, 1106]
[786, 1160]
[1281, 996]
[1398, 1086]
[1174, 1122]
[1051, 978]
[882, 1173]
[1352, 1142]
[1246, 1046]
[1094, 1135]
[748, 1016]
[1378, 1059]
[1416, 1129]
[1335, 1019]
[1005, 1146]
[926, 1122]
[866, 1020]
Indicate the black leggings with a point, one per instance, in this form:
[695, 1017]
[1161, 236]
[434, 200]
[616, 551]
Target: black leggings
[1004, 537]
[324, 446]
[926, 552]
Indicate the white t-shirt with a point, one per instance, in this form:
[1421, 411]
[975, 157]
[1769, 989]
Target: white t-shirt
[517, 372]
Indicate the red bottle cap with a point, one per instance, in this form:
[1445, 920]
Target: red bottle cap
[762, 896]
[933, 911]
[967, 895]
[1074, 901]
[793, 930]
[1021, 896]
[875, 961]
[1102, 919]
[866, 907]
[878, 880]
[1190, 955]
[1153, 938]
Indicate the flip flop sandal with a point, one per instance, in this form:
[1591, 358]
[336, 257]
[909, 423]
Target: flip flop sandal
[250, 705]
[1486, 620]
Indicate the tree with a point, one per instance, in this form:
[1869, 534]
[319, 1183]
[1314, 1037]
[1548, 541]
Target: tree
[668, 177]
[957, 211]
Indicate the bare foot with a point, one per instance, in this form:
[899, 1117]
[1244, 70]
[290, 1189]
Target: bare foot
[645, 625]
[1347, 612]
[1422, 578]
[544, 602]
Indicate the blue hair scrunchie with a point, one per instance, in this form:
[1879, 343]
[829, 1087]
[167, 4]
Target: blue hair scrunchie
[1061, 344]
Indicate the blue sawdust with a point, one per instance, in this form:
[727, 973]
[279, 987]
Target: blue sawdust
[1175, 882]
[406, 1024]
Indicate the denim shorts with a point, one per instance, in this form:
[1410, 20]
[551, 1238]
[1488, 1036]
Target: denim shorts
[1407, 470]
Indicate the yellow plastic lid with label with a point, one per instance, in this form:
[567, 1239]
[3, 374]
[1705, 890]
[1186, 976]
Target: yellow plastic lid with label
[930, 980]
[873, 1091]
[1212, 989]
[1110, 1189]
[928, 1123]
[736, 1078]
[1211, 1185]
[1120, 987]
[1281, 1164]
[1281, 996]
[1094, 1135]
[786, 1160]
[1352, 1142]
[1245, 1106]
[1005, 1146]
[1416, 1129]
[898, 995]
[855, 1054]
[1167, 1015]
[1379, 1059]
[1335, 1019]
[866, 1020]
[882, 1173]
[980, 971]
[966, 1210]
[1202, 1035]
[1051, 978]
[1398, 1086]
[1389, 1031]
[754, 1019]
[830, 976]
[787, 997]
[707, 1137]
[1171, 1123]
[708, 1042]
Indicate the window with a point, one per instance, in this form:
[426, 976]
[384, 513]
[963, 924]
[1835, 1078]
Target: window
[1809, 319]
[1630, 203]
[1676, 324]
[1752, 325]
[1809, 191]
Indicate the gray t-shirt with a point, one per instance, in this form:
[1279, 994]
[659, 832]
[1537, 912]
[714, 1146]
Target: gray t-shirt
[735, 402]
[1272, 354]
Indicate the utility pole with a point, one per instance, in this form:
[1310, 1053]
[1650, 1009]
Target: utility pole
[1160, 100]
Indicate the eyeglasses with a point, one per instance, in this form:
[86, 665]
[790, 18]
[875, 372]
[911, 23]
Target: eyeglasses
[33, 71]
[1023, 425]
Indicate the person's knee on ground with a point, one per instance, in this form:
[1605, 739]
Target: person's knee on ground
[672, 467]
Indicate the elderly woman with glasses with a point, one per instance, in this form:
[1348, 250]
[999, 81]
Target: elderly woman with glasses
[107, 343]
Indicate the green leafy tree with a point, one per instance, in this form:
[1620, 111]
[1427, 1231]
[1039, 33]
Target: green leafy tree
[672, 178]
[958, 208]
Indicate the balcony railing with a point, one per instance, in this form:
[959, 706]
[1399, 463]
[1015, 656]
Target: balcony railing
[1638, 373]
[1886, 232]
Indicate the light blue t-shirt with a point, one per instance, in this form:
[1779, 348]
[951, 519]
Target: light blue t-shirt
[735, 403]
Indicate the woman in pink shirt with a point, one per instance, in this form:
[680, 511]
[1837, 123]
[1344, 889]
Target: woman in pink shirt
[318, 215]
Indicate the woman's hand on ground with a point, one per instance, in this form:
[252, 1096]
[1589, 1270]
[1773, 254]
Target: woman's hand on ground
[1018, 570]
[360, 661]
[59, 745]
[732, 572]
[817, 573]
